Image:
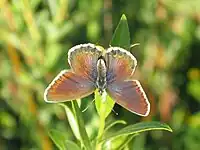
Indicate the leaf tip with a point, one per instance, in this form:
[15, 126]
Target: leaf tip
[170, 129]
[123, 17]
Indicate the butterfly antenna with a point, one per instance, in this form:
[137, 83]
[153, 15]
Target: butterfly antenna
[88, 105]
[136, 44]
[113, 110]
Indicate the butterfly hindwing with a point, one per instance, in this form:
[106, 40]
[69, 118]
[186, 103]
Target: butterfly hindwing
[68, 86]
[130, 95]
[120, 64]
[83, 60]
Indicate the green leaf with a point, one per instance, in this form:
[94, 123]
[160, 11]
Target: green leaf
[72, 120]
[119, 143]
[104, 105]
[53, 5]
[60, 141]
[194, 88]
[82, 130]
[138, 128]
[58, 138]
[121, 37]
[52, 55]
[125, 143]
[71, 145]
[114, 123]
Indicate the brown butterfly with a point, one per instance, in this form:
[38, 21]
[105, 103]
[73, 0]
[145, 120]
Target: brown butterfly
[108, 71]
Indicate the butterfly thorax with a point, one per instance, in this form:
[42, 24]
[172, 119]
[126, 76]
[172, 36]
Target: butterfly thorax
[101, 75]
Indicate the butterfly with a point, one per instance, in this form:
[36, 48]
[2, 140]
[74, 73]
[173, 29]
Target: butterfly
[106, 70]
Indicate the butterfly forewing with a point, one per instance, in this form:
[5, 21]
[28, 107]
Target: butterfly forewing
[83, 60]
[130, 95]
[68, 86]
[120, 64]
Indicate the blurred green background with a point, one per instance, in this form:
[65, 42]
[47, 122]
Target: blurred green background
[36, 35]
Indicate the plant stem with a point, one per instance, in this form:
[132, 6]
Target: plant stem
[101, 128]
[100, 133]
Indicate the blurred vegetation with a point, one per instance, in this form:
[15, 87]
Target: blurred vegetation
[35, 36]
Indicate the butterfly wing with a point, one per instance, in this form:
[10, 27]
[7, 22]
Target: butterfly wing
[120, 64]
[68, 86]
[130, 95]
[83, 60]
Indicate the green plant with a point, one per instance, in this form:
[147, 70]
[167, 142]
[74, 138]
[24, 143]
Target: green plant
[103, 139]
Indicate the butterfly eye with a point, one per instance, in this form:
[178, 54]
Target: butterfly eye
[89, 47]
[93, 50]
[114, 53]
